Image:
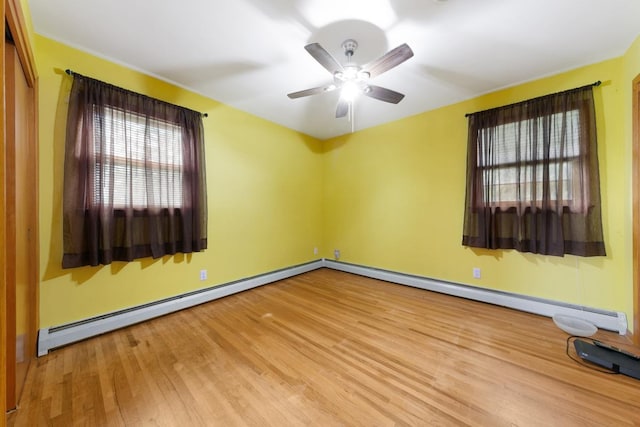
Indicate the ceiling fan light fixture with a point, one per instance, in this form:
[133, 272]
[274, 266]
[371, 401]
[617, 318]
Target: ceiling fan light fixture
[350, 73]
[363, 75]
[350, 91]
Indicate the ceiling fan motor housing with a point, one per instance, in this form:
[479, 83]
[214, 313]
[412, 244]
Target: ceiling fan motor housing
[349, 46]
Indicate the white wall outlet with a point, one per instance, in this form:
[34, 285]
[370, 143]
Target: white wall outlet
[203, 274]
[476, 273]
[315, 251]
[336, 254]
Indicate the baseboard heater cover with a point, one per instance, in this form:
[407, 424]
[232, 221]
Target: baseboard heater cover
[58, 336]
[609, 320]
[50, 338]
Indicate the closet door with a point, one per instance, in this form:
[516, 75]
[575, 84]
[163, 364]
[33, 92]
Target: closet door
[21, 214]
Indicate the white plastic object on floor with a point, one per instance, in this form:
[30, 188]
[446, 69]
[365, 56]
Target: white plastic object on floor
[574, 325]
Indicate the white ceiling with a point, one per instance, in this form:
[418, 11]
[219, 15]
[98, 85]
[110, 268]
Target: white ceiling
[250, 53]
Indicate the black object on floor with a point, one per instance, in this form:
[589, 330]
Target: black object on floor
[609, 357]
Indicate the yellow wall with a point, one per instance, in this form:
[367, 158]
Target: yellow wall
[264, 191]
[395, 197]
[388, 197]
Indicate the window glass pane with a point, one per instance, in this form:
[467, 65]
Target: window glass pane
[512, 158]
[140, 162]
[502, 183]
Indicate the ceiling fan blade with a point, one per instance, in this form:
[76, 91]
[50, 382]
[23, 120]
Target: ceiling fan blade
[383, 94]
[323, 57]
[389, 60]
[342, 109]
[312, 91]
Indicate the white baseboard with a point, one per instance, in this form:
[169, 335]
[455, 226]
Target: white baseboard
[53, 337]
[50, 338]
[609, 320]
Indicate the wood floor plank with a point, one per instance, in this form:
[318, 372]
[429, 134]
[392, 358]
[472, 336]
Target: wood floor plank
[328, 348]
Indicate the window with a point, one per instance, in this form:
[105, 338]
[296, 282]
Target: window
[519, 172]
[532, 177]
[134, 177]
[129, 141]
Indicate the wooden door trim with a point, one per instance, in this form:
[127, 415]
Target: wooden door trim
[3, 245]
[635, 91]
[18, 28]
[15, 22]
[10, 223]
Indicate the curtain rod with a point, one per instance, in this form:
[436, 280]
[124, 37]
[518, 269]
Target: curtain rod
[598, 83]
[73, 73]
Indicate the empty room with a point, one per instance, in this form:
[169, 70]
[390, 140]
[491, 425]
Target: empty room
[329, 213]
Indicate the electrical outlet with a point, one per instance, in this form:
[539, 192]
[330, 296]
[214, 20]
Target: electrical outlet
[476, 273]
[336, 254]
[203, 274]
[315, 251]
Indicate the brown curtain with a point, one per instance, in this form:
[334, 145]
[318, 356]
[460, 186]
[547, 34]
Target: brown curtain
[532, 177]
[134, 177]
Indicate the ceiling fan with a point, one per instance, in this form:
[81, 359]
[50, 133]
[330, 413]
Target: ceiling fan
[353, 79]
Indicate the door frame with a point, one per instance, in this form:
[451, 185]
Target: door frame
[635, 93]
[14, 23]
[3, 240]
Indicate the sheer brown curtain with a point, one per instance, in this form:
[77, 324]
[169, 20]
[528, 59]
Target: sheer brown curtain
[134, 177]
[532, 177]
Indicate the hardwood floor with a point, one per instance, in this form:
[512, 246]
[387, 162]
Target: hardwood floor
[328, 348]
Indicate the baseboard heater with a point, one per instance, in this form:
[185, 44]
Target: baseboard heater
[58, 336]
[609, 320]
[50, 338]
